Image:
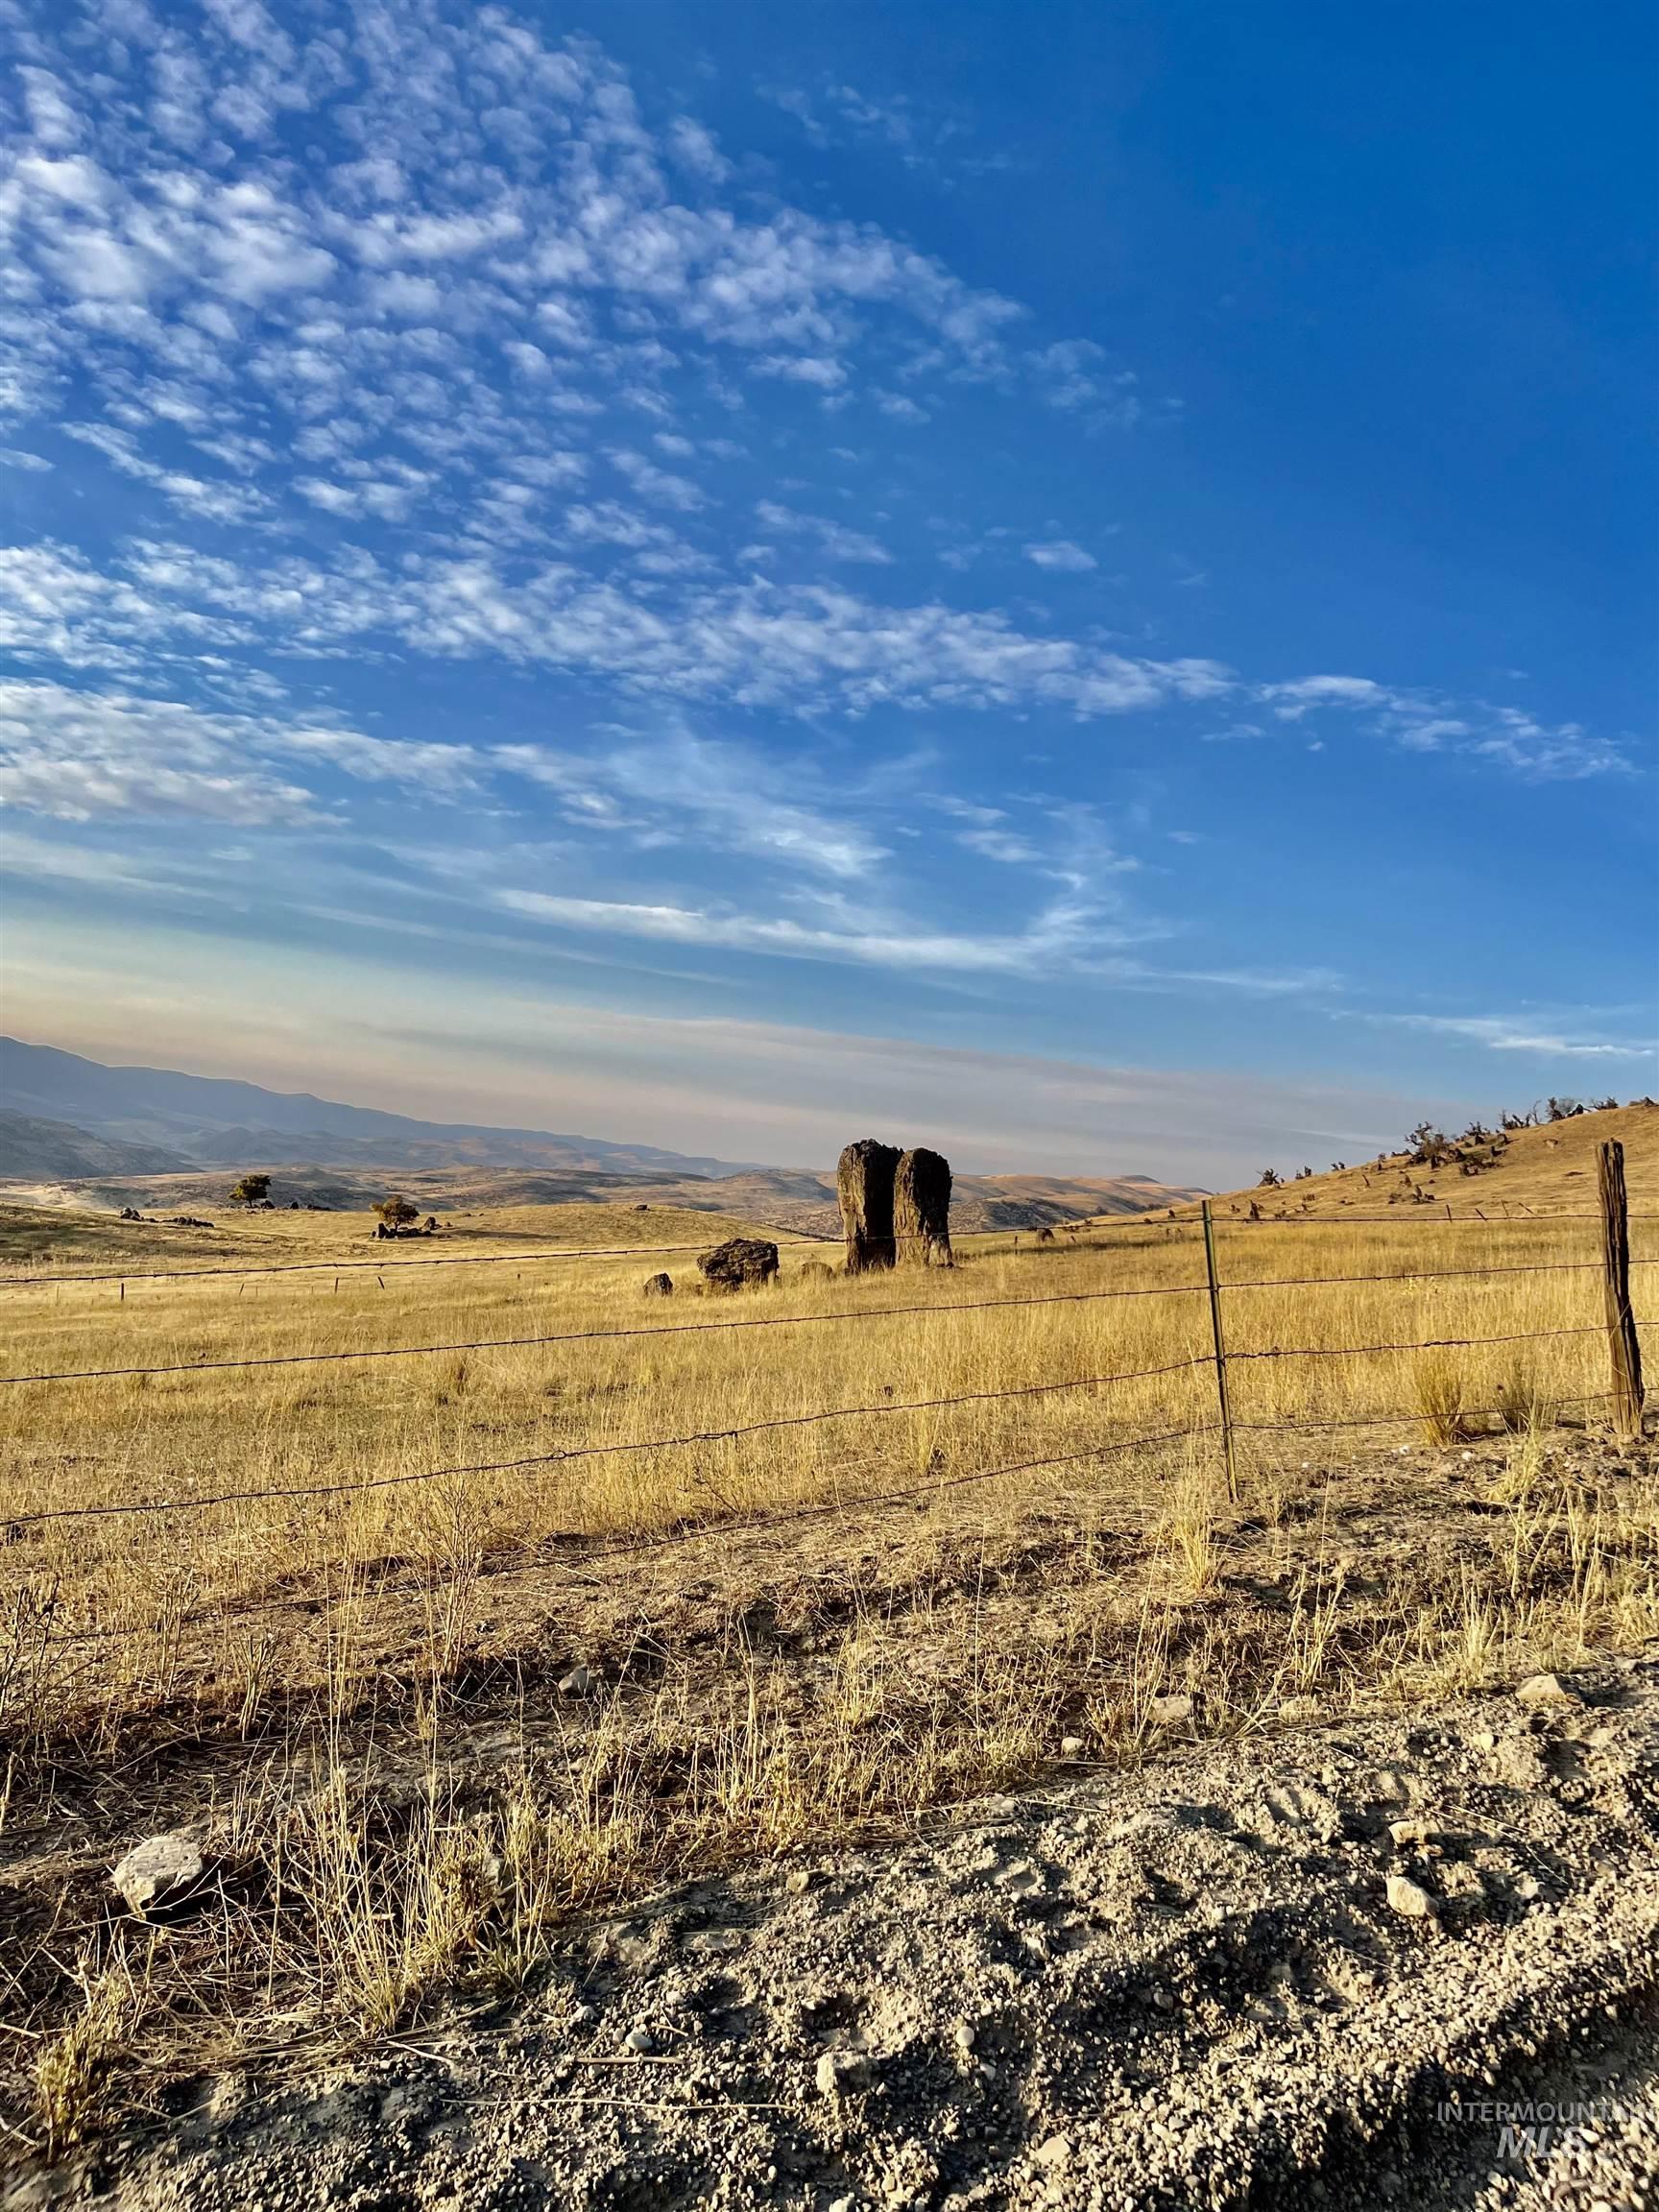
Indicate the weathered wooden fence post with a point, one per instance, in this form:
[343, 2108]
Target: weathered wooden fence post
[1624, 1346]
[1220, 1346]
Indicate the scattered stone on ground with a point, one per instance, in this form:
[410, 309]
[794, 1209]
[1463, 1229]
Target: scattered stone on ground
[157, 1872]
[1547, 1690]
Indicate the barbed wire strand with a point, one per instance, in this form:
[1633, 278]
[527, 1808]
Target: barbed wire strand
[663, 1539]
[790, 1240]
[766, 1321]
[560, 1454]
[1389, 1420]
[796, 1240]
[606, 1335]
[1423, 1274]
[1415, 1344]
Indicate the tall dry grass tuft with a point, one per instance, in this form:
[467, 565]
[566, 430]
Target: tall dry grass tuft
[73, 2070]
[1442, 1395]
[1188, 1523]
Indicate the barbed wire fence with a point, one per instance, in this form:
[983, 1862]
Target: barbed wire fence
[1623, 1396]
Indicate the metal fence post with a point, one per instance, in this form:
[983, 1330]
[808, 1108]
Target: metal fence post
[1624, 1346]
[1220, 1346]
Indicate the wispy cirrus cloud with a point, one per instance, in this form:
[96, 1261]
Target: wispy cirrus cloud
[1056, 937]
[678, 789]
[84, 756]
[1425, 722]
[800, 647]
[1542, 1038]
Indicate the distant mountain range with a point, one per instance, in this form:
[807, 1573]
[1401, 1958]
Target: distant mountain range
[205, 1121]
[72, 1130]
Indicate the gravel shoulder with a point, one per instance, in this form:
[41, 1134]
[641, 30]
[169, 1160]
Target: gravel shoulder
[1193, 1985]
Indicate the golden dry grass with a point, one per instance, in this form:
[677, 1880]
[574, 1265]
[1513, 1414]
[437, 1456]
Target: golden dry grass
[167, 1595]
[362, 1677]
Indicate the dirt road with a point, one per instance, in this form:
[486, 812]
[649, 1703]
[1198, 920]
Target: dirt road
[1193, 1986]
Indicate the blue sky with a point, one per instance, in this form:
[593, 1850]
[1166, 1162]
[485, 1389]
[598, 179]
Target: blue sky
[1075, 581]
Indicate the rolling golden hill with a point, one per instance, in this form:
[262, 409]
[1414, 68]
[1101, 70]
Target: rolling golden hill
[1498, 1175]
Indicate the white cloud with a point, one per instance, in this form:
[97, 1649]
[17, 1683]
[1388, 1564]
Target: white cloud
[213, 500]
[818, 369]
[410, 337]
[1291, 701]
[1052, 939]
[684, 790]
[695, 148]
[833, 538]
[1506, 1033]
[517, 214]
[1060, 553]
[1422, 722]
[802, 648]
[1001, 845]
[82, 755]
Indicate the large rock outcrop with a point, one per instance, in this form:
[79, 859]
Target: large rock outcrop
[864, 1179]
[922, 1209]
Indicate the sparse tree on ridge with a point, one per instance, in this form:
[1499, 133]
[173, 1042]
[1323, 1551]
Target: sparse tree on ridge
[251, 1190]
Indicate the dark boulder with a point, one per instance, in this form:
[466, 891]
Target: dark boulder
[738, 1263]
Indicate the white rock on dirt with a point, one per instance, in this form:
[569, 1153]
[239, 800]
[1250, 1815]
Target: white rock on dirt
[838, 2072]
[1170, 1712]
[580, 1682]
[1547, 1690]
[1404, 1834]
[157, 1872]
[1410, 1898]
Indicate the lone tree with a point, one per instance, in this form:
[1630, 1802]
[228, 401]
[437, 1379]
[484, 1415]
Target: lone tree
[251, 1190]
[396, 1212]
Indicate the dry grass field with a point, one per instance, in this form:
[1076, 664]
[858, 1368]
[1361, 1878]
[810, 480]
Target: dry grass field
[340, 1667]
